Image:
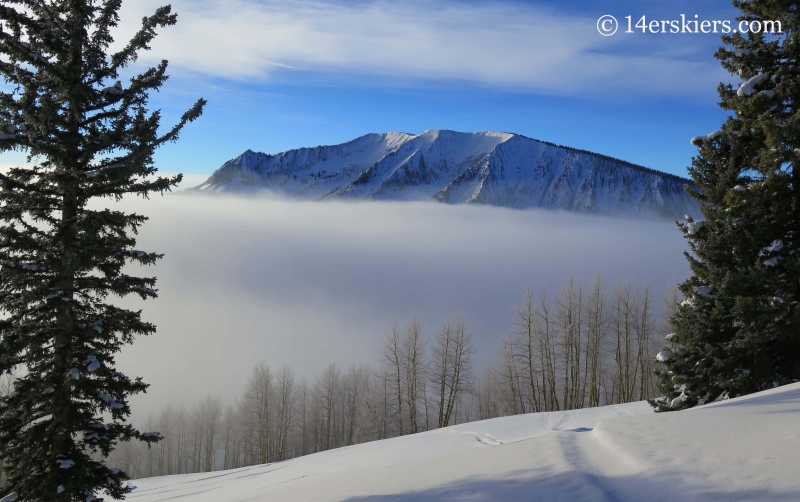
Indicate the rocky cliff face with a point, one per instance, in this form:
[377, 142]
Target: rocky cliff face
[491, 168]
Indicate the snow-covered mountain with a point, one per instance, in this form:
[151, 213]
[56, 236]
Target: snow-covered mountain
[492, 168]
[741, 449]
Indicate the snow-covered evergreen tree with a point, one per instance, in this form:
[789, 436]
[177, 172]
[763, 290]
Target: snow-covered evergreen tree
[738, 331]
[88, 136]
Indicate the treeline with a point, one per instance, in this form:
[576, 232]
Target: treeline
[420, 385]
[584, 347]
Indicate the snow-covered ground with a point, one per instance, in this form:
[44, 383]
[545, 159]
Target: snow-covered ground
[742, 449]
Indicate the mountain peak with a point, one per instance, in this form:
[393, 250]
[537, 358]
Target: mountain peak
[494, 168]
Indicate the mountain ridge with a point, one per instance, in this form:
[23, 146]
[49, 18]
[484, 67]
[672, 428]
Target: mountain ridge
[493, 168]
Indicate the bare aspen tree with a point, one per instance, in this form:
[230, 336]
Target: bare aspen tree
[527, 348]
[545, 330]
[644, 328]
[568, 315]
[440, 366]
[385, 379]
[315, 419]
[209, 413]
[165, 423]
[393, 360]
[355, 397]
[326, 389]
[373, 406]
[427, 404]
[183, 421]
[596, 327]
[305, 418]
[510, 383]
[351, 386]
[195, 441]
[256, 406]
[266, 413]
[485, 400]
[286, 394]
[623, 330]
[198, 439]
[232, 443]
[451, 366]
[378, 404]
[124, 452]
[263, 412]
[413, 364]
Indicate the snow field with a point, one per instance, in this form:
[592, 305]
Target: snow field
[742, 449]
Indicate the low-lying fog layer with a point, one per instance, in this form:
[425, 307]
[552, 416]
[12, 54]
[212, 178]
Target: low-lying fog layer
[307, 284]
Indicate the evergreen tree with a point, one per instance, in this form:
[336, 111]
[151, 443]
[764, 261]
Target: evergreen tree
[738, 331]
[87, 136]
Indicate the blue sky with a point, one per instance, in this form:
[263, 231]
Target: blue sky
[282, 74]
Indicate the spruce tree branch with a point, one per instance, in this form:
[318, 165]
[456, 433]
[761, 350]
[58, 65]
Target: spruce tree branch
[9, 183]
[18, 19]
[108, 18]
[190, 116]
[140, 40]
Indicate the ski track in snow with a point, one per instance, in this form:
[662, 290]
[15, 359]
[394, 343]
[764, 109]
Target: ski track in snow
[589, 472]
[742, 449]
[483, 438]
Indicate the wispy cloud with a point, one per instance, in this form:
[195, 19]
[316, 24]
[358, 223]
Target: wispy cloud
[308, 283]
[504, 44]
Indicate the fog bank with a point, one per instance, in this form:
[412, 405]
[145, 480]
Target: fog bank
[307, 284]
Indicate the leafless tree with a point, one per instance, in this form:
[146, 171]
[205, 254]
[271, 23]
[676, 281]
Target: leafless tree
[623, 322]
[233, 442]
[509, 380]
[165, 424]
[545, 328]
[281, 414]
[393, 360]
[413, 365]
[209, 420]
[325, 391]
[596, 329]
[451, 367]
[527, 347]
[256, 409]
[486, 403]
[304, 396]
[569, 308]
[644, 333]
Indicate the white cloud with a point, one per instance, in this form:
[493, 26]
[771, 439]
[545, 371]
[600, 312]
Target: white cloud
[308, 284]
[499, 44]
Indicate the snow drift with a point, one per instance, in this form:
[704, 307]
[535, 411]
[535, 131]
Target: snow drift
[742, 449]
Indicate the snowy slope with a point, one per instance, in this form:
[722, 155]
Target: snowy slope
[742, 449]
[499, 169]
